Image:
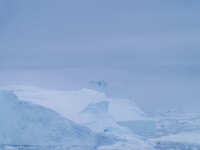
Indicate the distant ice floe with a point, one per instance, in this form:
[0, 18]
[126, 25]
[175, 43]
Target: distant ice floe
[186, 137]
[181, 141]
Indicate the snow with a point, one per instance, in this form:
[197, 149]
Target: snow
[125, 110]
[71, 103]
[43, 114]
[143, 128]
[96, 117]
[126, 146]
[88, 119]
[23, 123]
[186, 138]
[175, 130]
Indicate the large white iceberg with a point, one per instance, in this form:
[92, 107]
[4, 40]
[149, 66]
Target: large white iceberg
[23, 123]
[92, 109]
[71, 103]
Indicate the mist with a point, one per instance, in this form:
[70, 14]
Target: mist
[148, 51]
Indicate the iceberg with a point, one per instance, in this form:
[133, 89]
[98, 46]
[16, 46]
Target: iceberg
[71, 103]
[23, 123]
[95, 115]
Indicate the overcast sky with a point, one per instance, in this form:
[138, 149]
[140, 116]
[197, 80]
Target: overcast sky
[150, 48]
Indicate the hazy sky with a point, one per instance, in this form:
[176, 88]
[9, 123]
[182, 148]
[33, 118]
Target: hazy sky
[148, 48]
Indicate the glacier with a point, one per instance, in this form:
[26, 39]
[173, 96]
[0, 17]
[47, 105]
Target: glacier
[43, 114]
[23, 123]
[87, 119]
[71, 103]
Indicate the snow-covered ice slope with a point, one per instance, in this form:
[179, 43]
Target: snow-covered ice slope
[71, 103]
[125, 110]
[92, 109]
[96, 117]
[22, 123]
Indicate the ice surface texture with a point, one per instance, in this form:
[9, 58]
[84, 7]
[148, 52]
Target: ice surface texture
[23, 123]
